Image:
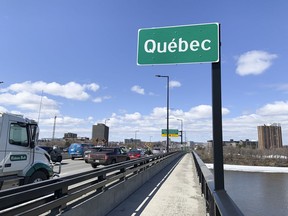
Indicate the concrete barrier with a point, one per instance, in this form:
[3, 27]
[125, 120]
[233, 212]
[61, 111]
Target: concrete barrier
[104, 202]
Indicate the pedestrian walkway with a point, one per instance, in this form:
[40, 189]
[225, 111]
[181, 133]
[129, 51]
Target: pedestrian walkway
[174, 191]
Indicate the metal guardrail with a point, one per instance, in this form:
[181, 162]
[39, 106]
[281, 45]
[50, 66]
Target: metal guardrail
[55, 196]
[218, 203]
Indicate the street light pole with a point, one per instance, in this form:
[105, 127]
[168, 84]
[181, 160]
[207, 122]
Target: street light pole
[53, 134]
[106, 120]
[167, 142]
[181, 130]
[136, 138]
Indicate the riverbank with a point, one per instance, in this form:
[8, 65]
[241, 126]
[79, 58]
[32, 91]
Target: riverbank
[248, 157]
[265, 169]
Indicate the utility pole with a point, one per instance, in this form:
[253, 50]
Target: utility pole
[53, 135]
[40, 107]
[181, 120]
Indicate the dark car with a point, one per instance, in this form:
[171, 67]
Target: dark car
[55, 153]
[135, 153]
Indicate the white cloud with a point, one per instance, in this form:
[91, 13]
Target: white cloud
[197, 121]
[93, 87]
[276, 108]
[107, 97]
[97, 100]
[174, 84]
[132, 117]
[100, 99]
[203, 111]
[282, 87]
[254, 62]
[67, 120]
[69, 90]
[159, 111]
[138, 89]
[151, 93]
[29, 101]
[3, 109]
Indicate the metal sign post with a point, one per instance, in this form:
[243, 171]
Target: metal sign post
[217, 123]
[198, 43]
[217, 126]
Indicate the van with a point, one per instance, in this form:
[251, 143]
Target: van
[76, 150]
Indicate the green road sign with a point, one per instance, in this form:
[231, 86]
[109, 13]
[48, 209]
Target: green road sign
[179, 44]
[172, 133]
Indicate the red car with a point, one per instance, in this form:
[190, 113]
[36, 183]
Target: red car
[135, 153]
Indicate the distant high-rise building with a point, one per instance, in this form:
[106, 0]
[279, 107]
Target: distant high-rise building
[100, 133]
[269, 136]
[132, 141]
[70, 135]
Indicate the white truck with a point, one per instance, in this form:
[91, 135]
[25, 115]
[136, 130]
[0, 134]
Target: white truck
[21, 161]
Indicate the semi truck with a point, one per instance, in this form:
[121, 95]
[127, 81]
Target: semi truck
[21, 160]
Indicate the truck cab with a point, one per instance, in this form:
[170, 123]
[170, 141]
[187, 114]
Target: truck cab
[21, 161]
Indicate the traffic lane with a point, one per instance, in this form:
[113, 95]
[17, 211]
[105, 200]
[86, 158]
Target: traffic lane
[70, 167]
[78, 165]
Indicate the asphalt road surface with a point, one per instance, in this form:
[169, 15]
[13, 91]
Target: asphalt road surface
[70, 167]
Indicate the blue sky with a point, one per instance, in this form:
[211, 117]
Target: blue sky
[79, 58]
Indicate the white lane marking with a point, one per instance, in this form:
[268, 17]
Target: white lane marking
[154, 189]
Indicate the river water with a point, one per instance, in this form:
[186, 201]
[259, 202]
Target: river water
[258, 194]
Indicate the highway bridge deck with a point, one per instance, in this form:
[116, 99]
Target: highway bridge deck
[174, 191]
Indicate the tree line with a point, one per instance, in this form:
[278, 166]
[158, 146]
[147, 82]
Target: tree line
[248, 156]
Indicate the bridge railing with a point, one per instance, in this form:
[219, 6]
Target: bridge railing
[61, 195]
[218, 203]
